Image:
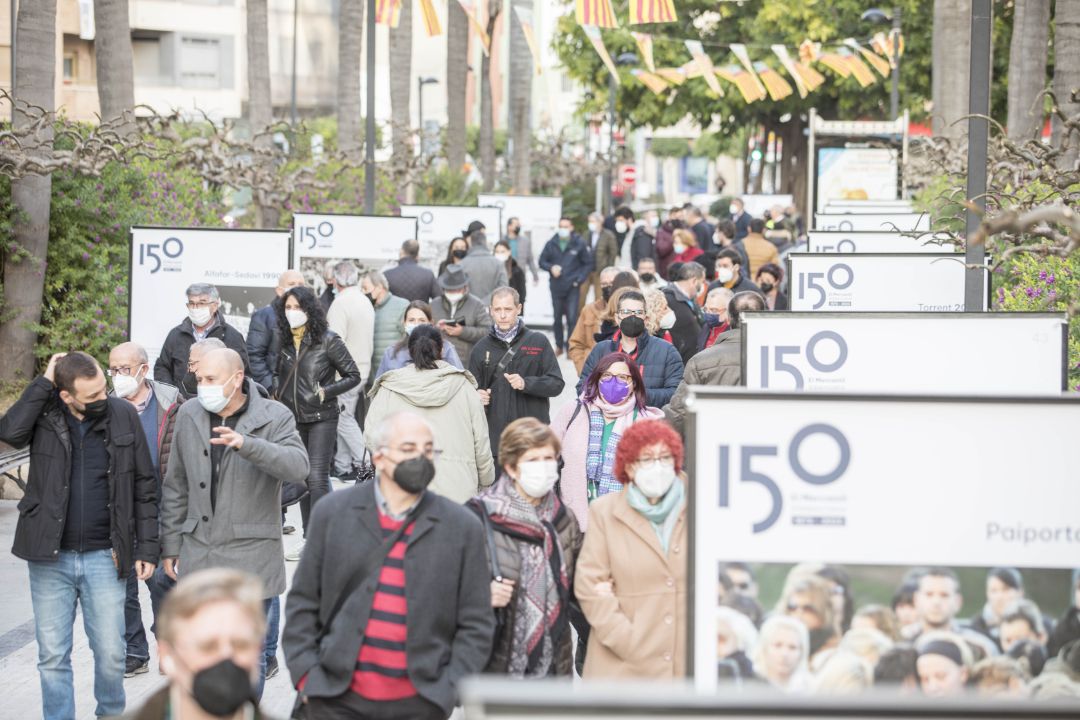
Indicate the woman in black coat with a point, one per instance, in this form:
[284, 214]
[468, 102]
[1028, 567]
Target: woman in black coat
[310, 360]
[513, 270]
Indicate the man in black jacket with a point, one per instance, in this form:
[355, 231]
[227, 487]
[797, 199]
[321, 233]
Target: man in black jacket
[515, 369]
[681, 294]
[263, 342]
[88, 517]
[568, 260]
[387, 624]
[409, 279]
[204, 320]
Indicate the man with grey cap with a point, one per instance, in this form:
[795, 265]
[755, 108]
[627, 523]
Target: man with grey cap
[462, 317]
[204, 320]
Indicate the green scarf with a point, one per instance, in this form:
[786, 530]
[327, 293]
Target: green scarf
[661, 515]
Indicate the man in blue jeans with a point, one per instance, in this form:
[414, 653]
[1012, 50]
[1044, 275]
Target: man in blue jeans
[88, 517]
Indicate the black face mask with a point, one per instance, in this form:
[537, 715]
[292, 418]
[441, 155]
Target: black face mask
[95, 409]
[190, 384]
[371, 297]
[766, 287]
[605, 293]
[414, 475]
[632, 326]
[460, 254]
[222, 689]
[647, 277]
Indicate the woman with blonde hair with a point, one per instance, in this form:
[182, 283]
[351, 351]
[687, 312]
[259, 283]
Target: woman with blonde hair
[781, 655]
[867, 643]
[736, 638]
[659, 317]
[809, 601]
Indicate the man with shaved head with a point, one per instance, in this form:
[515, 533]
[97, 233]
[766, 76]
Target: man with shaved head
[232, 450]
[157, 404]
[263, 342]
[405, 573]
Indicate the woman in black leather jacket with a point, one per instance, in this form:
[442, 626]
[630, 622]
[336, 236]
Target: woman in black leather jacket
[306, 381]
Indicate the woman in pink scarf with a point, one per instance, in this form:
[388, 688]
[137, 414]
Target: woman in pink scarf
[612, 400]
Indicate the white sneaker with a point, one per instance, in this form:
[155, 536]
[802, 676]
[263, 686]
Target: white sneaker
[294, 555]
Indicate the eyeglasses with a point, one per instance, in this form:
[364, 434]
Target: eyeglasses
[741, 586]
[625, 378]
[795, 607]
[198, 305]
[667, 458]
[411, 451]
[628, 313]
[123, 370]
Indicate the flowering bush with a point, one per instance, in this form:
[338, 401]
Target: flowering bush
[1033, 284]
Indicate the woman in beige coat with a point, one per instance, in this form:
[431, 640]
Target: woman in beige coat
[446, 397]
[631, 574]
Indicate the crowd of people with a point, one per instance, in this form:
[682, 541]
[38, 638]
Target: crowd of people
[480, 534]
[818, 637]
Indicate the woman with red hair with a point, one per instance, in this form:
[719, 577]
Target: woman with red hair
[631, 574]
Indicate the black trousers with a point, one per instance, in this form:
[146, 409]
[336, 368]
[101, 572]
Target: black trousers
[318, 438]
[351, 706]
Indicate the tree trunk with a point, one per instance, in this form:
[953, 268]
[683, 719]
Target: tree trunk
[796, 155]
[457, 69]
[1066, 74]
[401, 87]
[487, 110]
[350, 42]
[114, 59]
[521, 77]
[24, 258]
[1027, 68]
[260, 114]
[950, 70]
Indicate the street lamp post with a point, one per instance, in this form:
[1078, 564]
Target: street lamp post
[875, 16]
[292, 90]
[627, 58]
[420, 83]
[369, 134]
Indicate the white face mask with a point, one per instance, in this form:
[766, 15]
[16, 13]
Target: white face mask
[212, 397]
[620, 227]
[200, 317]
[733, 209]
[725, 274]
[564, 233]
[593, 227]
[655, 479]
[502, 257]
[679, 248]
[537, 477]
[296, 318]
[126, 385]
[454, 298]
[409, 327]
[668, 321]
[654, 221]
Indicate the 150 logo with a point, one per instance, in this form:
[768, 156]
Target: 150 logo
[840, 277]
[748, 474]
[316, 234]
[171, 249]
[779, 354]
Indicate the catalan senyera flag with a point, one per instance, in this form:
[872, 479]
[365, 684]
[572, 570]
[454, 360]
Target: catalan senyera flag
[652, 11]
[858, 68]
[774, 82]
[478, 27]
[430, 18]
[704, 64]
[644, 44]
[750, 89]
[596, 13]
[525, 17]
[650, 80]
[740, 52]
[876, 61]
[593, 33]
[883, 45]
[388, 12]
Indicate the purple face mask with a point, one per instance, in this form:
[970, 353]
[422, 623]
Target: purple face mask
[614, 390]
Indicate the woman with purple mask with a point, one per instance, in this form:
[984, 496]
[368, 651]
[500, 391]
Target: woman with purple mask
[612, 399]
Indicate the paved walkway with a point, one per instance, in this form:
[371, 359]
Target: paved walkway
[19, 685]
